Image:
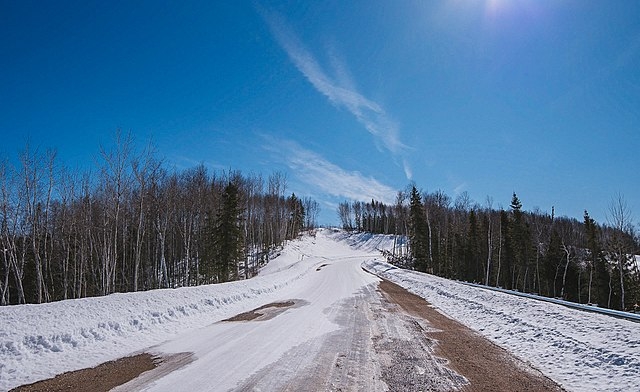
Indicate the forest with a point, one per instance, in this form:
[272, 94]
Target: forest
[534, 252]
[130, 224]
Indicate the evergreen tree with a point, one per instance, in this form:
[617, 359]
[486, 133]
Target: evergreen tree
[516, 237]
[296, 218]
[228, 235]
[520, 247]
[418, 231]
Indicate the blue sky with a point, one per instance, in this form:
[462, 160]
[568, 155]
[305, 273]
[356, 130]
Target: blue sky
[351, 99]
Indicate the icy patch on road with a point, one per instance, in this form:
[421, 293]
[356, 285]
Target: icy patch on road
[579, 350]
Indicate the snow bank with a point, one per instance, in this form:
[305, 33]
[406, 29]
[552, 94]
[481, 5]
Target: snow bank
[40, 341]
[579, 350]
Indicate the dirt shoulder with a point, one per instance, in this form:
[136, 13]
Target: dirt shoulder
[486, 366]
[101, 378]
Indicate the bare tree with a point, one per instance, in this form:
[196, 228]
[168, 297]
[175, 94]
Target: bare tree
[144, 170]
[36, 213]
[345, 215]
[7, 243]
[619, 217]
[311, 210]
[116, 181]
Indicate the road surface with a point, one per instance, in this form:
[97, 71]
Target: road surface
[335, 329]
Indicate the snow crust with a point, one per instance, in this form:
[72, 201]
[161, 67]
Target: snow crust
[581, 351]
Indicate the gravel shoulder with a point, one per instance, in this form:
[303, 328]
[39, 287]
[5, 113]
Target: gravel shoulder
[486, 366]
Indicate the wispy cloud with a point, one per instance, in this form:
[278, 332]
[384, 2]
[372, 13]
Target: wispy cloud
[340, 90]
[326, 177]
[460, 188]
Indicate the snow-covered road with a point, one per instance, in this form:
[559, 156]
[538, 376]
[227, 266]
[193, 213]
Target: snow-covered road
[232, 354]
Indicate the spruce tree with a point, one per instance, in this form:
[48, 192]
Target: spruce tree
[520, 244]
[418, 235]
[296, 216]
[228, 235]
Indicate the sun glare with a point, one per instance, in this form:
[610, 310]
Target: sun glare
[493, 7]
[489, 7]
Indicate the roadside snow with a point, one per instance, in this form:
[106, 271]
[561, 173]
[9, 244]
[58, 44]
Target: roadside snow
[579, 350]
[40, 341]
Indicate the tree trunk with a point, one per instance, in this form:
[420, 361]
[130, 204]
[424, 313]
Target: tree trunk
[621, 261]
[567, 252]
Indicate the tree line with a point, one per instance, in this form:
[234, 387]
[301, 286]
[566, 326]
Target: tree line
[130, 224]
[535, 252]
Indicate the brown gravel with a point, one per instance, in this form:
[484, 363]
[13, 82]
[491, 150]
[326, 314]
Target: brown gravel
[255, 313]
[101, 378]
[487, 367]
